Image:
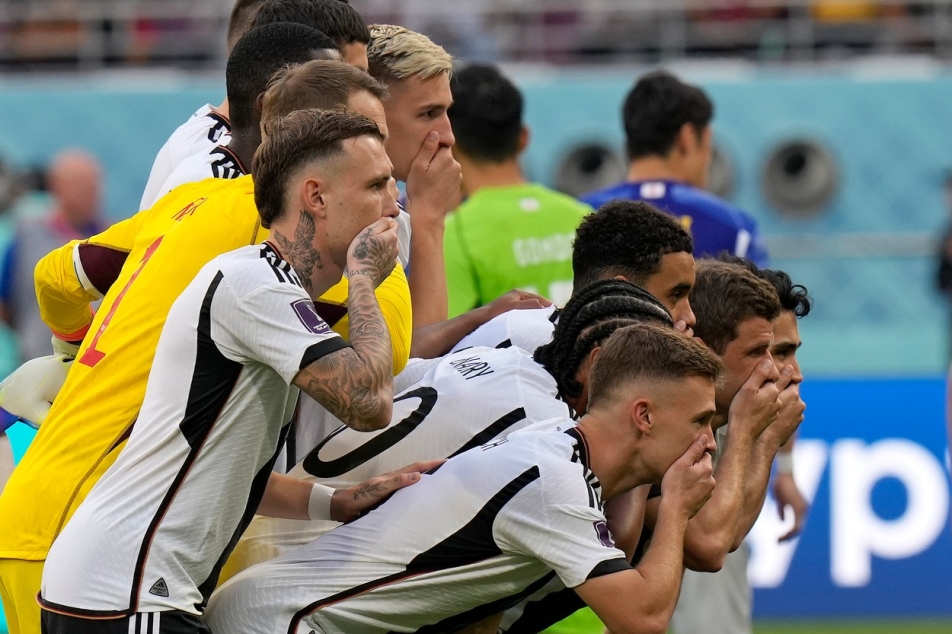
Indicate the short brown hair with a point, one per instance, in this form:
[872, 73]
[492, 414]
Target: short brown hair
[724, 296]
[396, 53]
[320, 84]
[240, 21]
[295, 140]
[648, 351]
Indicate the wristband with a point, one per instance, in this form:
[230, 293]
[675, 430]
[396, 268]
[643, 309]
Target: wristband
[319, 502]
[64, 347]
[784, 462]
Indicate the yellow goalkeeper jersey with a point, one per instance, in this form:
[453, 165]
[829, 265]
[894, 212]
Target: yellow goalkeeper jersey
[141, 265]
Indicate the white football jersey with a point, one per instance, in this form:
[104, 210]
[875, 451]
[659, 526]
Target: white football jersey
[216, 162]
[458, 402]
[526, 329]
[156, 528]
[489, 527]
[202, 132]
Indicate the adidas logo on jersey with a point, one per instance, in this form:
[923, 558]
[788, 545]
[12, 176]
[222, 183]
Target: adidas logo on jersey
[159, 588]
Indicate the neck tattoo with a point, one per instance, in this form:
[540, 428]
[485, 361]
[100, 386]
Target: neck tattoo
[301, 252]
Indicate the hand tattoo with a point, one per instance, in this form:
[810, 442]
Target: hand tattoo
[371, 251]
[301, 252]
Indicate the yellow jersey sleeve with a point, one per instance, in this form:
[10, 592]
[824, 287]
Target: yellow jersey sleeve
[93, 414]
[64, 291]
[393, 295]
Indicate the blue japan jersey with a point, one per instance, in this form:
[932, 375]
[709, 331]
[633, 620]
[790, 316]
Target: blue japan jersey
[715, 224]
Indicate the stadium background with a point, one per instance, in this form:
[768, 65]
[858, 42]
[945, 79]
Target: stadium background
[837, 142]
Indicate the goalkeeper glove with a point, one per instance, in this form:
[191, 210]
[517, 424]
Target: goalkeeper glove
[29, 391]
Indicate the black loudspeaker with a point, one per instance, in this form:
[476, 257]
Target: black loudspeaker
[589, 167]
[800, 177]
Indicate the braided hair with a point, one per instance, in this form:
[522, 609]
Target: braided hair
[589, 318]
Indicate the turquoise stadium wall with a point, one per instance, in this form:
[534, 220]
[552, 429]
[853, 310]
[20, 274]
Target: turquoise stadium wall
[875, 314]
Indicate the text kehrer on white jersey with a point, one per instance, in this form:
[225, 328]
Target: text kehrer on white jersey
[526, 329]
[458, 402]
[530, 510]
[216, 408]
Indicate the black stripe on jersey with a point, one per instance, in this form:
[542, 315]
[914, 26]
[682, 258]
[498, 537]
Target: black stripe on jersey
[322, 349]
[282, 268]
[258, 486]
[555, 606]
[477, 614]
[581, 447]
[219, 128]
[213, 379]
[376, 445]
[608, 567]
[546, 612]
[505, 344]
[497, 427]
[229, 165]
[554, 317]
[580, 455]
[472, 543]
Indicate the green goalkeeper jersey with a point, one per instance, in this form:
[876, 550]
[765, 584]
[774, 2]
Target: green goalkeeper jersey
[502, 238]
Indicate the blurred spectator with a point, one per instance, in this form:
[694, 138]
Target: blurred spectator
[509, 233]
[74, 180]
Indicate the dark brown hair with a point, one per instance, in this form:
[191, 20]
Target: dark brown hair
[648, 351]
[320, 84]
[724, 295]
[292, 141]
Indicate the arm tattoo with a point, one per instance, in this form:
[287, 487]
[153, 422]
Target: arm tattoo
[356, 385]
[301, 252]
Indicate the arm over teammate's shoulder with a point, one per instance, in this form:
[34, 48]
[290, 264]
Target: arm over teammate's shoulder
[72, 277]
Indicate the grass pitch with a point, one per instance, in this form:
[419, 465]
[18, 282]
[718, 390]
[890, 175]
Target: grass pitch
[585, 622]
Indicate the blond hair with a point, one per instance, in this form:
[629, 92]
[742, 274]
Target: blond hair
[396, 53]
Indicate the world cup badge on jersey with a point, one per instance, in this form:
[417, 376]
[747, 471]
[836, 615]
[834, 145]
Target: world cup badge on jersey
[304, 308]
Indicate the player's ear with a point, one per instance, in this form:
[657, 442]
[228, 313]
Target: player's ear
[523, 140]
[313, 195]
[687, 138]
[639, 412]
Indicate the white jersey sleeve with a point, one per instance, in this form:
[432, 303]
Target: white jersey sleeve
[274, 324]
[525, 329]
[563, 526]
[200, 133]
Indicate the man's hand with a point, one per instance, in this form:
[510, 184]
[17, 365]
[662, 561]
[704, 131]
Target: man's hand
[515, 300]
[757, 404]
[29, 391]
[790, 415]
[433, 184]
[786, 494]
[350, 503]
[689, 482]
[374, 251]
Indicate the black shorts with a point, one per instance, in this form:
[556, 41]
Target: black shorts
[141, 623]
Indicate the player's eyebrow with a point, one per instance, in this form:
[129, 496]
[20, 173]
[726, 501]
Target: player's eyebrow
[436, 106]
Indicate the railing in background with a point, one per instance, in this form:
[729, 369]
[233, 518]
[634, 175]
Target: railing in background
[90, 34]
